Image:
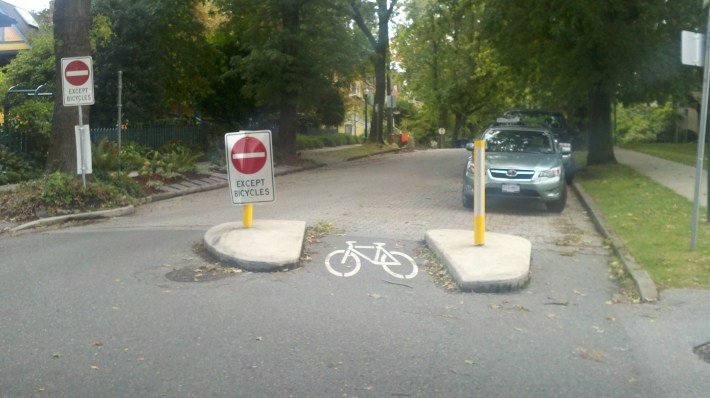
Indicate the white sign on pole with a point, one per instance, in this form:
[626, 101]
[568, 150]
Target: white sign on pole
[83, 150]
[77, 81]
[692, 48]
[250, 167]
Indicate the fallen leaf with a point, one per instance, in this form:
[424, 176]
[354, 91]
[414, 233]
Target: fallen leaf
[98, 343]
[374, 295]
[94, 367]
[259, 338]
[469, 362]
[551, 315]
[56, 355]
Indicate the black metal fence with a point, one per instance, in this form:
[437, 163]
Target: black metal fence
[155, 136]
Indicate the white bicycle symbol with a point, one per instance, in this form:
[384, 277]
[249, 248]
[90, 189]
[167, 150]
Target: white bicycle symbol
[394, 263]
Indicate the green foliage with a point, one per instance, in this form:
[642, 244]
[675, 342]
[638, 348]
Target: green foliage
[15, 167]
[59, 193]
[324, 140]
[179, 158]
[634, 206]
[292, 55]
[104, 156]
[32, 120]
[645, 123]
[588, 52]
[162, 50]
[33, 67]
[449, 65]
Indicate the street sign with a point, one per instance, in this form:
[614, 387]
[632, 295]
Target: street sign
[250, 167]
[248, 155]
[77, 81]
[83, 150]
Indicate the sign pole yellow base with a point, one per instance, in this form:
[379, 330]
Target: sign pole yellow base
[247, 216]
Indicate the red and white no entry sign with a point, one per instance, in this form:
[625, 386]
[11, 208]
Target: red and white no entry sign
[248, 155]
[250, 167]
[77, 73]
[77, 81]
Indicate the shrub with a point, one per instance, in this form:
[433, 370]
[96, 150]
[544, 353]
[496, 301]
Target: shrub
[324, 140]
[59, 193]
[104, 156]
[15, 167]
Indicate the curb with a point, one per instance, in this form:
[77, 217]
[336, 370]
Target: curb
[645, 285]
[121, 211]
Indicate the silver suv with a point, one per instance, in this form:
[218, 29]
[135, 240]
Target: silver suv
[522, 162]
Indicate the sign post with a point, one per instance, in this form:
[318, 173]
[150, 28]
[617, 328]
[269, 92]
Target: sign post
[250, 170]
[78, 90]
[479, 192]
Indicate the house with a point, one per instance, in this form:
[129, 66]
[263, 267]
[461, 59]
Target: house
[16, 24]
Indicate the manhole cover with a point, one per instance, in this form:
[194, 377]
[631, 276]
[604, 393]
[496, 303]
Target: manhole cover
[201, 274]
[703, 351]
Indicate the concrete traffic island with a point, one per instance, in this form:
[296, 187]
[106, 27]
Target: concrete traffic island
[269, 245]
[501, 264]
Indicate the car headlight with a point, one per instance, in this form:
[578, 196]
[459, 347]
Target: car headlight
[469, 167]
[553, 172]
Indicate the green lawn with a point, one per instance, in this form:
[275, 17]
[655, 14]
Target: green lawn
[654, 222]
[681, 153]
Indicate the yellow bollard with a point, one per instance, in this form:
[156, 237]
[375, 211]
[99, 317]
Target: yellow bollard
[479, 193]
[247, 216]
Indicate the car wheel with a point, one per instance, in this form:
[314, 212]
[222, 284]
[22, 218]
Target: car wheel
[558, 205]
[467, 200]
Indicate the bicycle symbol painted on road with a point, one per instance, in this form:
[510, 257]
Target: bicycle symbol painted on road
[345, 263]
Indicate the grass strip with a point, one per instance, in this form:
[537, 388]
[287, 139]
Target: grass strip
[686, 154]
[654, 222]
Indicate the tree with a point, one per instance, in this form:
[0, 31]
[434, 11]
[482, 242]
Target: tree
[72, 21]
[380, 43]
[161, 47]
[291, 55]
[594, 52]
[447, 63]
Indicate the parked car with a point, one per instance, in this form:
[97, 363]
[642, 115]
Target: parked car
[521, 162]
[556, 122]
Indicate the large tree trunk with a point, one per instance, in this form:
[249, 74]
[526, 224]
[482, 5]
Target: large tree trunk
[288, 124]
[288, 117]
[380, 90]
[72, 20]
[601, 141]
[458, 124]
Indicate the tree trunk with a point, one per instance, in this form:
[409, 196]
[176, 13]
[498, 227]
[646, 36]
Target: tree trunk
[72, 19]
[601, 141]
[288, 123]
[288, 118]
[458, 124]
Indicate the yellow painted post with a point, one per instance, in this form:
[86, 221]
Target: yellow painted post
[247, 216]
[479, 193]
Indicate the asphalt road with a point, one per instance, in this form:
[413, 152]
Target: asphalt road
[89, 311]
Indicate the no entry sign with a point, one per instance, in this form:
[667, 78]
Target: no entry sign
[77, 81]
[250, 167]
[248, 155]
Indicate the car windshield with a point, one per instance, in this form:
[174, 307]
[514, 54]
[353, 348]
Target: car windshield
[518, 141]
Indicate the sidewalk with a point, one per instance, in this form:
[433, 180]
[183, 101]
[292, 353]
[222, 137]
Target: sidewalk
[676, 176]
